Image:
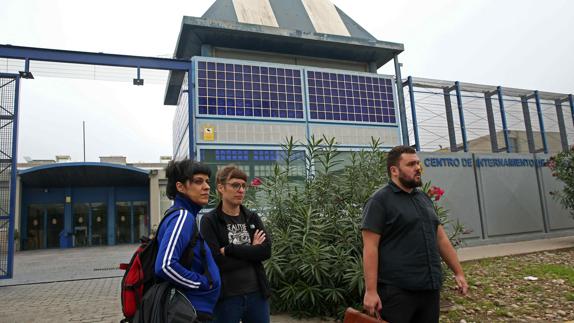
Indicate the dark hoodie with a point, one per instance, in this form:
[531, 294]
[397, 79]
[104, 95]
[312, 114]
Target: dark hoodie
[214, 230]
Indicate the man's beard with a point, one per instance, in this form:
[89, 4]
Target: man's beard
[410, 183]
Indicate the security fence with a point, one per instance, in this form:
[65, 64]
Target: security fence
[9, 84]
[454, 116]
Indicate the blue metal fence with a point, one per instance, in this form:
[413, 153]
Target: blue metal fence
[487, 118]
[9, 85]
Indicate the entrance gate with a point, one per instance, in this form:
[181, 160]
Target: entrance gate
[9, 87]
[9, 90]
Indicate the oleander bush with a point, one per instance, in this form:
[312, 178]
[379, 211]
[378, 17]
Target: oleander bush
[316, 266]
[562, 167]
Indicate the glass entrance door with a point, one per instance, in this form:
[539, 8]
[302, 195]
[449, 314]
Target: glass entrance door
[35, 228]
[44, 225]
[81, 224]
[132, 221]
[123, 222]
[54, 225]
[141, 224]
[90, 224]
[99, 224]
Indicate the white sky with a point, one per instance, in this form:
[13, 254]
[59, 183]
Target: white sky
[514, 43]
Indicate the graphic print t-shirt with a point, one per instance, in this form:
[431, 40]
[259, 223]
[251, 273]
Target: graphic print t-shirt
[242, 280]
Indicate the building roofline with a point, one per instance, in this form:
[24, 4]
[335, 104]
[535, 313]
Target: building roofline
[81, 164]
[196, 31]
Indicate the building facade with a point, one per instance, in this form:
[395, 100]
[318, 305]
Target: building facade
[66, 204]
[303, 69]
[290, 69]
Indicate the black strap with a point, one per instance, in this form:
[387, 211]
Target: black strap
[195, 234]
[168, 211]
[195, 237]
[206, 272]
[186, 259]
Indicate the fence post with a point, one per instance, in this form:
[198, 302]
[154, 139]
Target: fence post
[461, 115]
[414, 113]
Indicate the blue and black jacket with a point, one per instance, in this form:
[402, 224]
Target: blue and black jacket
[174, 236]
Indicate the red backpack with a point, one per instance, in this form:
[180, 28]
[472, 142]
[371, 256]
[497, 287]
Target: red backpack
[140, 272]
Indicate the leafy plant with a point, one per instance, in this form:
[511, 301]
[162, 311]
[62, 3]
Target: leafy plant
[456, 229]
[562, 167]
[316, 268]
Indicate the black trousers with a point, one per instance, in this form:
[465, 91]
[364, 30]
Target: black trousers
[405, 306]
[204, 317]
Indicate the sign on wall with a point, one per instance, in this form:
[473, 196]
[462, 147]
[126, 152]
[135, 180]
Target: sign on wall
[497, 195]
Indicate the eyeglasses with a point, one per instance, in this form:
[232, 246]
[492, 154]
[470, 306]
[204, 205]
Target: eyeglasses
[237, 186]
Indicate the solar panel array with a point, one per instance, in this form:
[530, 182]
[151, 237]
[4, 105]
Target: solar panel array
[226, 89]
[230, 89]
[345, 97]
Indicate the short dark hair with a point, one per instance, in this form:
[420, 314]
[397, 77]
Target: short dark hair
[182, 171]
[394, 156]
[228, 172]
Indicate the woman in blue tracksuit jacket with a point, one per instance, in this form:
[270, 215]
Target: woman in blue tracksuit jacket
[188, 187]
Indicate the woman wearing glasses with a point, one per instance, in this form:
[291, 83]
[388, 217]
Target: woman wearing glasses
[239, 244]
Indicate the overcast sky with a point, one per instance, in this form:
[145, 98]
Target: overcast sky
[514, 43]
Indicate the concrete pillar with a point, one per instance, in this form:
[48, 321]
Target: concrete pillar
[111, 216]
[68, 230]
[154, 198]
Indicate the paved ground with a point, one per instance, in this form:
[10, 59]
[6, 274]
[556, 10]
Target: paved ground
[82, 285]
[515, 248]
[74, 285]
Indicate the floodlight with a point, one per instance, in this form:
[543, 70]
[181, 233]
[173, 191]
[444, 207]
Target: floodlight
[26, 75]
[138, 80]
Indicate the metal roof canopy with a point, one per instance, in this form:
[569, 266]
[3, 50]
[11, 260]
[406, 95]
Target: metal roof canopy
[83, 175]
[196, 32]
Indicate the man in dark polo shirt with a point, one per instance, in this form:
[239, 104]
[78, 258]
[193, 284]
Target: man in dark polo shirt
[403, 246]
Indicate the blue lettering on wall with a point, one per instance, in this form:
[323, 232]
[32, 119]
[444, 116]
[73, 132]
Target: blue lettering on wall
[482, 162]
[442, 162]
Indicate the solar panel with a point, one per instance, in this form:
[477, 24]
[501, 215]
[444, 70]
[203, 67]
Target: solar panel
[346, 97]
[265, 155]
[227, 89]
[232, 155]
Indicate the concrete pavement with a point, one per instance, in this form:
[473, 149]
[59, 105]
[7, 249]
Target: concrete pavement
[82, 285]
[514, 248]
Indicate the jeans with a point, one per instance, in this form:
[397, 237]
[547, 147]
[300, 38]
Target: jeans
[249, 308]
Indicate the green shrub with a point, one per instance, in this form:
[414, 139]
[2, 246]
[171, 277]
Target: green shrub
[316, 267]
[562, 167]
